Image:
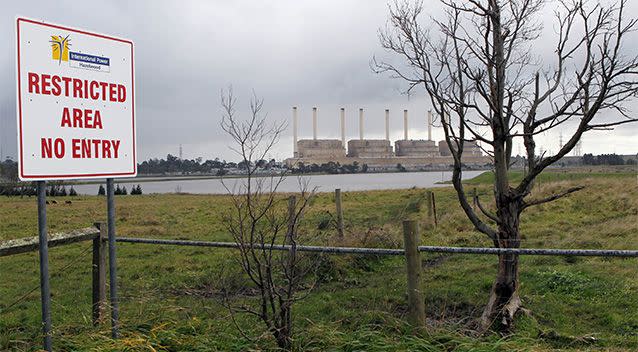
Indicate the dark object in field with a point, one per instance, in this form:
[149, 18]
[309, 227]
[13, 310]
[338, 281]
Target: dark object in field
[54, 202]
[47, 202]
[68, 202]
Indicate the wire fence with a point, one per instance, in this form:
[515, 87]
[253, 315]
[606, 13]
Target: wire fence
[359, 285]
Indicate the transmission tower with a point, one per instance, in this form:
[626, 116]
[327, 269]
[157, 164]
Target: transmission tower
[578, 148]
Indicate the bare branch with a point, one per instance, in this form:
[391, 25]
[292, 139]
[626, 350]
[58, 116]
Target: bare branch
[552, 197]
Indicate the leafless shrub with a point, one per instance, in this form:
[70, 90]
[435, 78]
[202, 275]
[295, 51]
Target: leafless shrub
[259, 220]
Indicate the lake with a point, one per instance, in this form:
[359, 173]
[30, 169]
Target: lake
[323, 183]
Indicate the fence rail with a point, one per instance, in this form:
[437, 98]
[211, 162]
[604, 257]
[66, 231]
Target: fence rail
[31, 244]
[397, 251]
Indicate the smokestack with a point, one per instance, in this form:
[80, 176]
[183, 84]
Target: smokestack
[294, 131]
[343, 127]
[314, 124]
[405, 125]
[360, 124]
[429, 125]
[387, 124]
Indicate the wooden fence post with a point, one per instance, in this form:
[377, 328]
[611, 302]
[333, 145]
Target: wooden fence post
[99, 274]
[339, 212]
[292, 240]
[416, 304]
[428, 200]
[474, 199]
[436, 223]
[292, 212]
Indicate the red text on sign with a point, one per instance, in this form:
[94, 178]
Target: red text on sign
[94, 148]
[81, 118]
[52, 148]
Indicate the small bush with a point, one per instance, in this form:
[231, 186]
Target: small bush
[324, 221]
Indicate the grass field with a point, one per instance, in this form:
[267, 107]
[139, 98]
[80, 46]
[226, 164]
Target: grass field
[169, 293]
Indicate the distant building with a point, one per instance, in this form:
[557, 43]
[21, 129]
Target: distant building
[469, 148]
[320, 148]
[369, 148]
[416, 148]
[377, 154]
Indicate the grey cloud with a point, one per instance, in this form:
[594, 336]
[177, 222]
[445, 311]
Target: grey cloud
[304, 53]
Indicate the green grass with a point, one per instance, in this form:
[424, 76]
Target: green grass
[560, 174]
[168, 293]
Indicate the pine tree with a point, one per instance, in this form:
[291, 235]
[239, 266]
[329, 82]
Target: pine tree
[136, 190]
[101, 191]
[72, 192]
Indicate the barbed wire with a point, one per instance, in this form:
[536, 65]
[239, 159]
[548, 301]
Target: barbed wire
[61, 271]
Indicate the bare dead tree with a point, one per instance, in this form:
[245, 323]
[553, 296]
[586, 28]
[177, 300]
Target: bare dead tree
[477, 65]
[259, 219]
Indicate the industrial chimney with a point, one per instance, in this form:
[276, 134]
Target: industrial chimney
[429, 125]
[361, 124]
[387, 124]
[405, 125]
[343, 127]
[294, 131]
[314, 124]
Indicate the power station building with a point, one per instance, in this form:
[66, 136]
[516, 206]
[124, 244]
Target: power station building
[378, 153]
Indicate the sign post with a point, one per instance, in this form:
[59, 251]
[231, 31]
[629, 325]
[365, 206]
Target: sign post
[76, 120]
[110, 211]
[45, 288]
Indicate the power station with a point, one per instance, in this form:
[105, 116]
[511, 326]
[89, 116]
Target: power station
[378, 153]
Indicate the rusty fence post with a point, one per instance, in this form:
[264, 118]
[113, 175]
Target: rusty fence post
[99, 274]
[339, 212]
[416, 304]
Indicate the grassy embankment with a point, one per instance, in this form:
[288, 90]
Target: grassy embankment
[168, 293]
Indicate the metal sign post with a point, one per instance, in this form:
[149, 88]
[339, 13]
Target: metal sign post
[45, 288]
[110, 210]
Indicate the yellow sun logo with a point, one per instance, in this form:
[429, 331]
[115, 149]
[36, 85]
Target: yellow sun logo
[60, 48]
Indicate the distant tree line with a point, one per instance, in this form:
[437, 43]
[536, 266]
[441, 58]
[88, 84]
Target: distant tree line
[120, 190]
[175, 165]
[56, 189]
[8, 171]
[606, 159]
[330, 168]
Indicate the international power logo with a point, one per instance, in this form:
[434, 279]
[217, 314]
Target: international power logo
[60, 48]
[60, 52]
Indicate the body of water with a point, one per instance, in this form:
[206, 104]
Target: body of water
[323, 183]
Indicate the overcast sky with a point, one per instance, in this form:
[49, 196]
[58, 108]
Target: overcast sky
[291, 53]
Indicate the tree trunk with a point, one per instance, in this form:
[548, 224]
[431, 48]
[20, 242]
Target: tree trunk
[504, 300]
[283, 333]
[284, 342]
